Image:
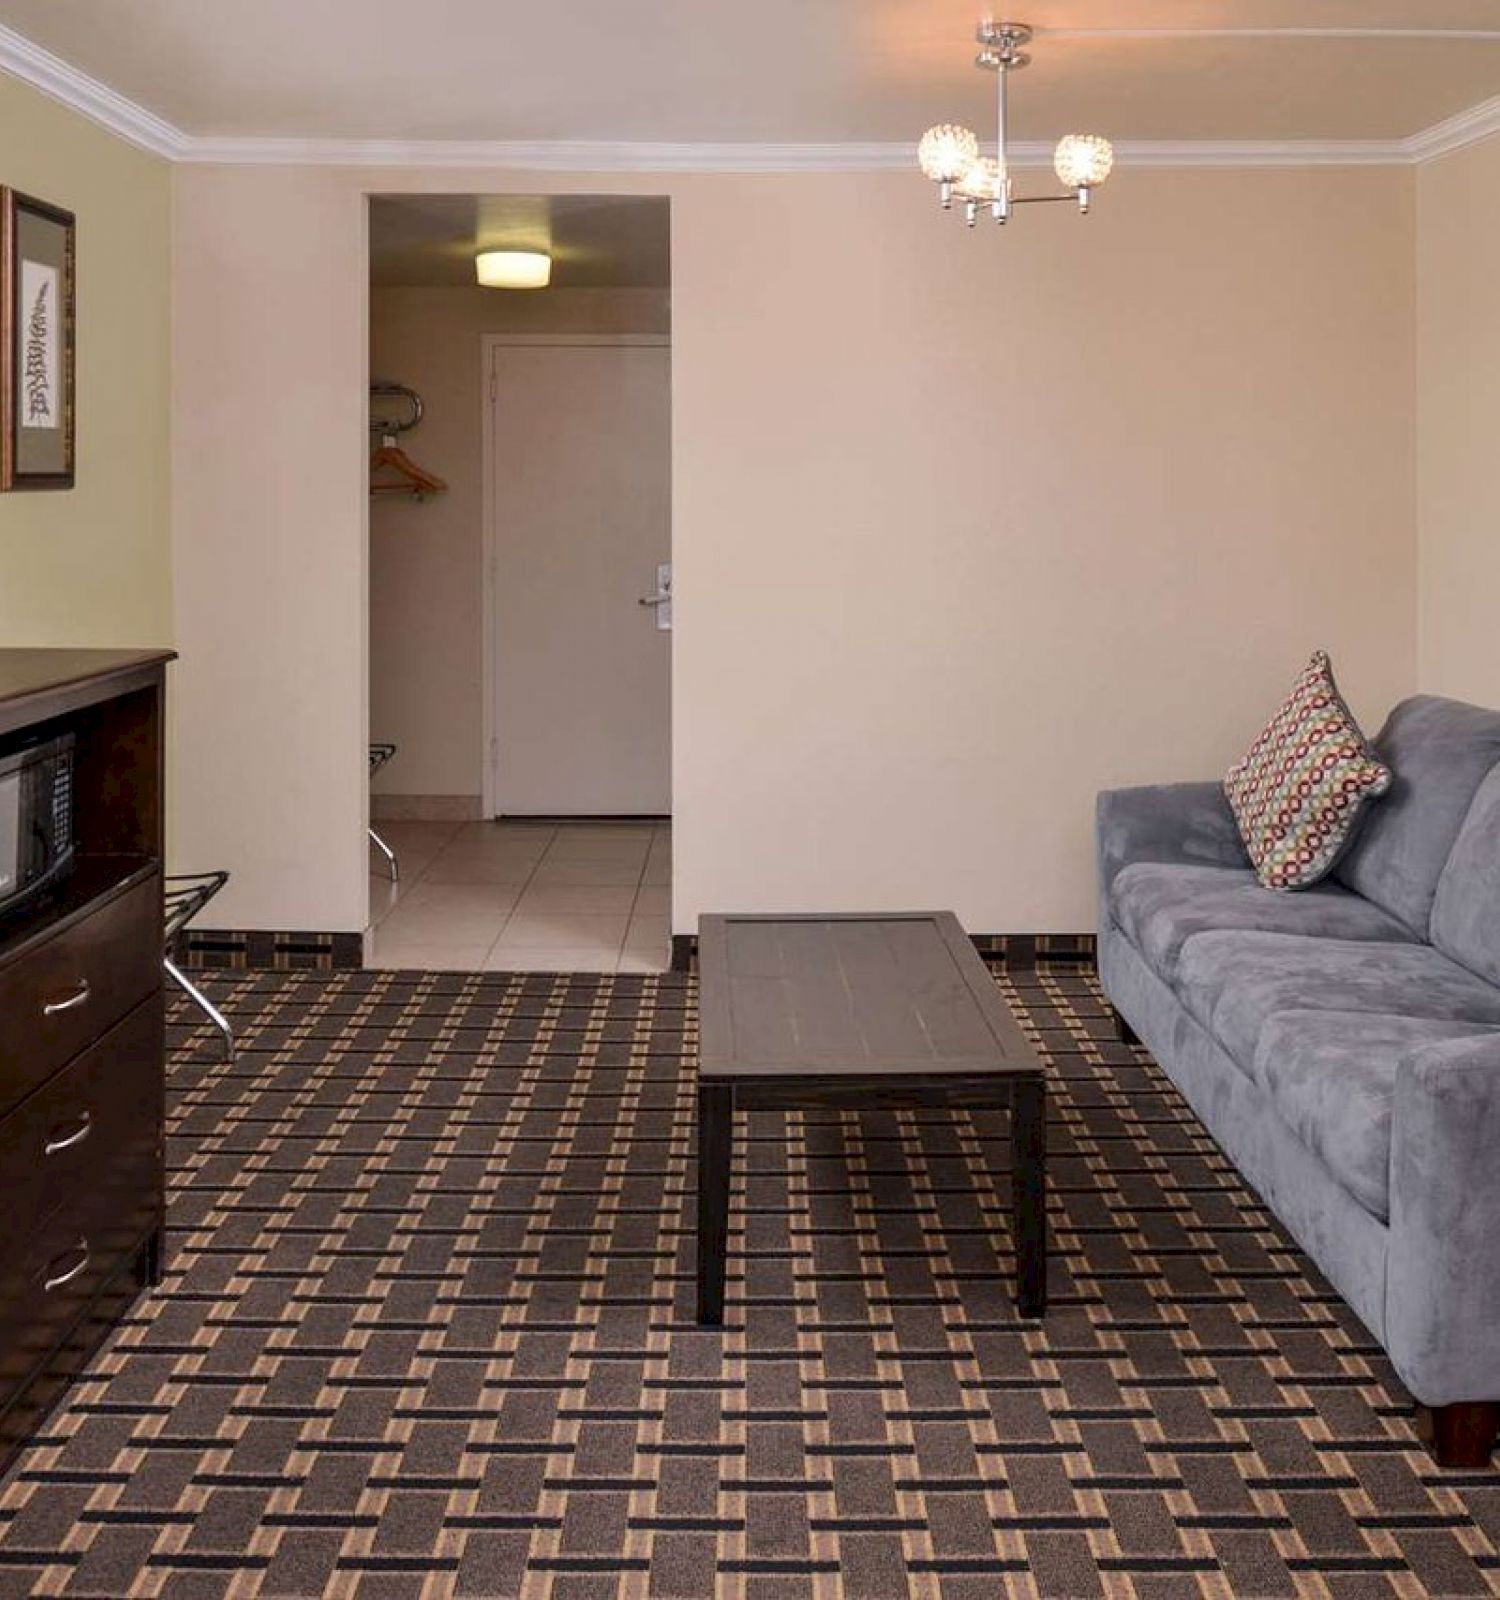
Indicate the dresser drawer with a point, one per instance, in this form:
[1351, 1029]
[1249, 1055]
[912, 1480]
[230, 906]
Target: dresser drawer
[85, 1208]
[62, 994]
[101, 1112]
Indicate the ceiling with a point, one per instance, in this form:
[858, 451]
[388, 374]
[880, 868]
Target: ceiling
[596, 241]
[781, 71]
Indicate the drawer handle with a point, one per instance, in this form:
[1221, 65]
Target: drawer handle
[79, 1134]
[77, 998]
[49, 1284]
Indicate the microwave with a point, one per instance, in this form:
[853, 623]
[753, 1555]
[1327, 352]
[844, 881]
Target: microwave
[36, 818]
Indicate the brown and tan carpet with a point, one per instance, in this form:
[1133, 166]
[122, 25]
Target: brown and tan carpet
[426, 1331]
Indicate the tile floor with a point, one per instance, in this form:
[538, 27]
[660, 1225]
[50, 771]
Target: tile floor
[523, 897]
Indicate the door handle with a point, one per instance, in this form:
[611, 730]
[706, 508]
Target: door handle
[49, 1284]
[77, 998]
[79, 1134]
[661, 601]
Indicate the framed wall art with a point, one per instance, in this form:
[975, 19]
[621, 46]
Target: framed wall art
[37, 332]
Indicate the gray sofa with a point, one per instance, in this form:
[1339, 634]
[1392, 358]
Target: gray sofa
[1342, 1044]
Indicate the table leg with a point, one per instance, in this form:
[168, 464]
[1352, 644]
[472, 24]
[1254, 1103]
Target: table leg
[715, 1145]
[1028, 1137]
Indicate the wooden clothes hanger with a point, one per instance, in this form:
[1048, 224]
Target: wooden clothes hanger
[415, 480]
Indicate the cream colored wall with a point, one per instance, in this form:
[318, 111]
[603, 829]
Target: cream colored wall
[269, 547]
[969, 528]
[92, 565]
[965, 527]
[426, 558]
[1458, 417]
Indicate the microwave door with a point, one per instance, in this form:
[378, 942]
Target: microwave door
[10, 833]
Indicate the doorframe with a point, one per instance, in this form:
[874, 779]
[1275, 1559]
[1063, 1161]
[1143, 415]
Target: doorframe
[490, 343]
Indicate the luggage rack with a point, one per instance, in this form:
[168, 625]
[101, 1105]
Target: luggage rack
[379, 755]
[185, 895]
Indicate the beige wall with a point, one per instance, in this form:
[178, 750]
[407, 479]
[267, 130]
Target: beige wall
[269, 548]
[971, 527]
[91, 565]
[426, 559]
[1458, 413]
[965, 527]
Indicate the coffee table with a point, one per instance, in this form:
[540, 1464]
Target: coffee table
[864, 1012]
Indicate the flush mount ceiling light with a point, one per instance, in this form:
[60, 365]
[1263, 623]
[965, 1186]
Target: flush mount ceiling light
[950, 155]
[513, 269]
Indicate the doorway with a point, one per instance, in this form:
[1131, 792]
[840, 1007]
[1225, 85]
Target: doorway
[520, 623]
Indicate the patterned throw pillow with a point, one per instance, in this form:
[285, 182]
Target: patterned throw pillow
[1298, 792]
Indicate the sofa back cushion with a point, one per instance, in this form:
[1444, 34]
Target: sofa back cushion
[1466, 908]
[1440, 752]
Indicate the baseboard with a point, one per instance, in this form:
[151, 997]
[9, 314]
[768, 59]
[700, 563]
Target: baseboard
[338, 952]
[426, 808]
[561, 819]
[1022, 950]
[1018, 951]
[257, 950]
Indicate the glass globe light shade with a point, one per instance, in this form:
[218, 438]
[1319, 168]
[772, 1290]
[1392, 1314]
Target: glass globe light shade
[980, 180]
[946, 151]
[1083, 160]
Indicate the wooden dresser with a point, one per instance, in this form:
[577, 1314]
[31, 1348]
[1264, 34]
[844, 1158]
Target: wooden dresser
[82, 1054]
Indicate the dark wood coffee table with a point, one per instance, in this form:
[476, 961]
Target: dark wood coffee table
[861, 1011]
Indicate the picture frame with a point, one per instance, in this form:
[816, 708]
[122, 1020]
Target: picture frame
[38, 336]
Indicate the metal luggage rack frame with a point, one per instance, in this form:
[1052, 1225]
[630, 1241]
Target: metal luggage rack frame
[185, 894]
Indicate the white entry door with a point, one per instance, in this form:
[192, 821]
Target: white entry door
[580, 452]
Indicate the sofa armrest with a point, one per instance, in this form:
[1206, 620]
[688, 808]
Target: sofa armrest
[1442, 1287]
[1189, 823]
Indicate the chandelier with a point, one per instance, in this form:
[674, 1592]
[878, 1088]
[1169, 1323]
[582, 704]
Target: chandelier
[950, 155]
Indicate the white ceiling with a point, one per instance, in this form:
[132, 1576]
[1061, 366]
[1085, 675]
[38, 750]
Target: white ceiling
[779, 71]
[595, 241]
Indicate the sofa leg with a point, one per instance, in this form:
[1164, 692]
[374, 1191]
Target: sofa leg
[1123, 1031]
[1462, 1435]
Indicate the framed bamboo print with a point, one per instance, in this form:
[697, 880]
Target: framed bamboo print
[37, 332]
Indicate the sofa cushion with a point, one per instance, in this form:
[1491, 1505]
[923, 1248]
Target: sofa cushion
[1233, 983]
[1466, 908]
[1299, 792]
[1161, 905]
[1440, 751]
[1332, 1077]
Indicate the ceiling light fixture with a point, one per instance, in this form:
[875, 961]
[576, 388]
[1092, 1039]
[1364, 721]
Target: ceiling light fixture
[513, 269]
[949, 155]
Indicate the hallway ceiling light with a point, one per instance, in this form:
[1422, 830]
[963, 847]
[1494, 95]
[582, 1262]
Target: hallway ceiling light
[513, 269]
[950, 155]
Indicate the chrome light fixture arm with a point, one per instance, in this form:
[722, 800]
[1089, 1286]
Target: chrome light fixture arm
[1002, 51]
[1000, 206]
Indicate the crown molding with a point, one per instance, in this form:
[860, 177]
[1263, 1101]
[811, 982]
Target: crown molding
[1442, 138]
[60, 81]
[1257, 153]
[614, 156]
[97, 101]
[1435, 35]
[548, 155]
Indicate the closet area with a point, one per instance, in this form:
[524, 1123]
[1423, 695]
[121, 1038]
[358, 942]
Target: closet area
[520, 583]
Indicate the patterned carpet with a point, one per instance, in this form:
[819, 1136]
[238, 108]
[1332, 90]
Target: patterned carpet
[426, 1331]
